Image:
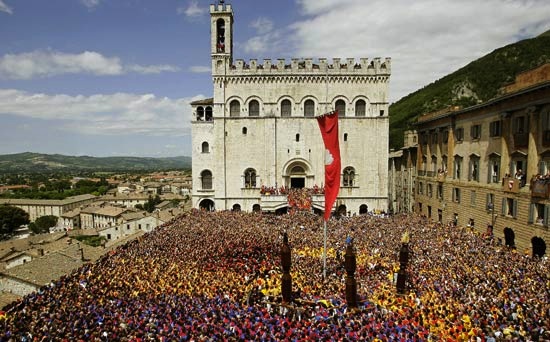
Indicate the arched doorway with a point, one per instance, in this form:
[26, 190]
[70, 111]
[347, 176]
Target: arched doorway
[509, 237]
[207, 204]
[539, 246]
[363, 209]
[236, 207]
[297, 177]
[256, 208]
[341, 210]
[297, 174]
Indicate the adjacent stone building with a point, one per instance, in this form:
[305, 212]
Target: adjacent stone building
[489, 165]
[259, 129]
[38, 208]
[402, 175]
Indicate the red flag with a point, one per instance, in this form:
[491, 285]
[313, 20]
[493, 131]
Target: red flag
[328, 123]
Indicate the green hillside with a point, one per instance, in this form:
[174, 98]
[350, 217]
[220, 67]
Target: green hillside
[37, 163]
[478, 81]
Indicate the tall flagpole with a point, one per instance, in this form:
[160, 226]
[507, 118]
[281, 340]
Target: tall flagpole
[325, 221]
[325, 252]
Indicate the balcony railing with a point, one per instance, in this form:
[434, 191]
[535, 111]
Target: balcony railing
[510, 185]
[540, 188]
[521, 140]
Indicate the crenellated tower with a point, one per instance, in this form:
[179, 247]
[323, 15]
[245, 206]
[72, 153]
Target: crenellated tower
[221, 37]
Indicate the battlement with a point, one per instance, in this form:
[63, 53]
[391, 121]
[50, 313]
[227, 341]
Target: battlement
[220, 8]
[339, 66]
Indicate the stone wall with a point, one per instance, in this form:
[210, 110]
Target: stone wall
[16, 286]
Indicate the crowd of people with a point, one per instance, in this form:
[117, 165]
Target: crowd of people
[300, 199]
[215, 276]
[539, 178]
[283, 190]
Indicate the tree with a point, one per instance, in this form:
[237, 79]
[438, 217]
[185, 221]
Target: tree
[151, 203]
[102, 190]
[43, 224]
[11, 218]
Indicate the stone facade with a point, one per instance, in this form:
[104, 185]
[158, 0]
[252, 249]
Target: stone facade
[17, 286]
[38, 208]
[17, 259]
[402, 175]
[259, 129]
[144, 224]
[490, 164]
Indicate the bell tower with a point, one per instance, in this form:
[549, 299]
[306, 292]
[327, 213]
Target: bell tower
[221, 36]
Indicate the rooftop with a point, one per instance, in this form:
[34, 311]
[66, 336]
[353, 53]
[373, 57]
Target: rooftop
[66, 201]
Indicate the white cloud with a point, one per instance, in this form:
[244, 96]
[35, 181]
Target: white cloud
[48, 63]
[193, 10]
[425, 39]
[90, 4]
[152, 69]
[262, 25]
[267, 42]
[5, 8]
[200, 69]
[103, 114]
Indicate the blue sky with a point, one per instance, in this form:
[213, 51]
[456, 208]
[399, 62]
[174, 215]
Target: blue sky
[115, 77]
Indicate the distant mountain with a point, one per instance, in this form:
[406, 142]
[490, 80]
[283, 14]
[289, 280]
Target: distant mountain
[479, 81]
[37, 162]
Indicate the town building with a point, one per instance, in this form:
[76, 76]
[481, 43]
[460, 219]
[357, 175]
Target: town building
[488, 166]
[129, 200]
[37, 208]
[132, 223]
[13, 258]
[259, 131]
[402, 175]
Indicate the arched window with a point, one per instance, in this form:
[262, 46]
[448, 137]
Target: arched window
[205, 147]
[341, 108]
[245, 130]
[360, 108]
[234, 108]
[200, 114]
[309, 108]
[250, 178]
[297, 137]
[208, 114]
[286, 108]
[206, 180]
[345, 137]
[253, 108]
[349, 176]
